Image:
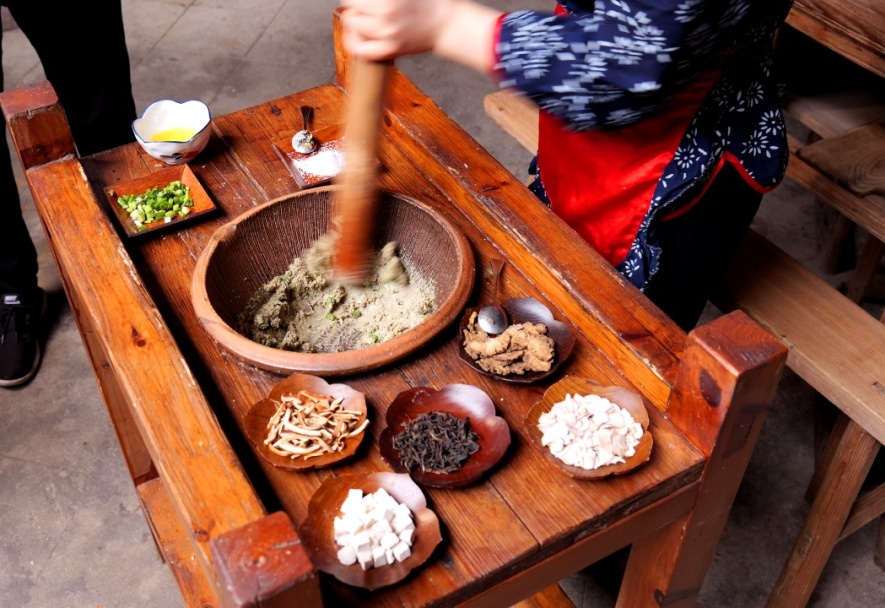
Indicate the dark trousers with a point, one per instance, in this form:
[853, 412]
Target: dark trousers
[82, 48]
[697, 246]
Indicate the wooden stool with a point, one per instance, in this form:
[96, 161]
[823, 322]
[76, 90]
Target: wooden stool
[833, 347]
[853, 161]
[840, 164]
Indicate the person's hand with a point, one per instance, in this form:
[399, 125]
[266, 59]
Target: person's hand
[460, 30]
[384, 29]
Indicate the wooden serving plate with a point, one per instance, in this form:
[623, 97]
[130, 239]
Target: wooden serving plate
[521, 310]
[330, 141]
[463, 401]
[318, 536]
[257, 417]
[627, 399]
[203, 204]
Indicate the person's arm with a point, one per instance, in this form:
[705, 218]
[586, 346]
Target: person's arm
[592, 68]
[462, 31]
[606, 64]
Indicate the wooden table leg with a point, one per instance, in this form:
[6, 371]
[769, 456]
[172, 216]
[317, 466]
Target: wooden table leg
[264, 565]
[721, 398]
[822, 528]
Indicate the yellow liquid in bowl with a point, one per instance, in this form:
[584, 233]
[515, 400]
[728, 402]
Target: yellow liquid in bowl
[174, 134]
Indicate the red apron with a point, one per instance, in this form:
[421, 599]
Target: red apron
[601, 182]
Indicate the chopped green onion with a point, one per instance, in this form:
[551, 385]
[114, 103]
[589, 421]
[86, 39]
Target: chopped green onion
[157, 204]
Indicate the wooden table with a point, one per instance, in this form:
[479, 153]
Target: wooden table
[226, 521]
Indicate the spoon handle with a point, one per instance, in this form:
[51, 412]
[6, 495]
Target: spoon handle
[306, 115]
[497, 266]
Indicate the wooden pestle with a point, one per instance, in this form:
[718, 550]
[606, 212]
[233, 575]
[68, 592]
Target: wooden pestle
[356, 204]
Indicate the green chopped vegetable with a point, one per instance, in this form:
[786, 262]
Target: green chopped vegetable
[356, 314]
[157, 204]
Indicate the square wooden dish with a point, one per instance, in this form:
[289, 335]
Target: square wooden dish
[318, 167]
[203, 204]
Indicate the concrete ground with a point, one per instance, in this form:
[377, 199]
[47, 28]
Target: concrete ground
[73, 532]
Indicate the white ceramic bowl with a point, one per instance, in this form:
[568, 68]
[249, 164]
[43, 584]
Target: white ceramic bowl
[173, 132]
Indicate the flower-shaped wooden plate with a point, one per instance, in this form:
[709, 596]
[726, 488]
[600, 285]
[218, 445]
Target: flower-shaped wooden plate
[627, 399]
[464, 401]
[258, 416]
[317, 531]
[522, 310]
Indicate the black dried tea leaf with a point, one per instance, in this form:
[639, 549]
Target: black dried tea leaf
[436, 442]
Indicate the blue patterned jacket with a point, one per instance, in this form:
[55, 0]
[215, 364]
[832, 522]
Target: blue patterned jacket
[612, 63]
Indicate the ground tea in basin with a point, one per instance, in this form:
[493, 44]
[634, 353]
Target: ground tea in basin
[304, 310]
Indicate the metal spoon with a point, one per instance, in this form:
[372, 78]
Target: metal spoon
[303, 141]
[492, 318]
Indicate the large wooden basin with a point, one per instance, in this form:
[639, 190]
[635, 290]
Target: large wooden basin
[245, 253]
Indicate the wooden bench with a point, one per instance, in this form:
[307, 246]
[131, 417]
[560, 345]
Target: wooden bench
[844, 170]
[835, 346]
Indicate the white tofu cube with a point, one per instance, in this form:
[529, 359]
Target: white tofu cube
[389, 540]
[406, 536]
[362, 542]
[382, 513]
[338, 529]
[352, 505]
[402, 510]
[351, 524]
[379, 557]
[365, 559]
[383, 497]
[347, 556]
[400, 523]
[401, 551]
[381, 528]
[366, 520]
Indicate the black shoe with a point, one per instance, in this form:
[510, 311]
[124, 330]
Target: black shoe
[19, 336]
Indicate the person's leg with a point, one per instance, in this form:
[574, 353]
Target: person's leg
[18, 258]
[697, 246]
[21, 301]
[82, 47]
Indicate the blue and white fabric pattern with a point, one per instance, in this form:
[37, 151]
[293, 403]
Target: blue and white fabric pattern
[611, 63]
